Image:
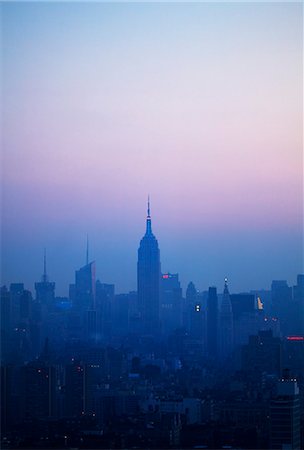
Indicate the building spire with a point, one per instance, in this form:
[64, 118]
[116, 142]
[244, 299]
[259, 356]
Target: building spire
[148, 227]
[87, 252]
[44, 276]
[148, 212]
[226, 290]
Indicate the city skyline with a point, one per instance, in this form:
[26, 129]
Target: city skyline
[105, 103]
[89, 261]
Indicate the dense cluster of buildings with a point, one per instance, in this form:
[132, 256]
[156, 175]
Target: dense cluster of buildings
[151, 368]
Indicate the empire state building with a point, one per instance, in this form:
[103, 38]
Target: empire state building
[148, 280]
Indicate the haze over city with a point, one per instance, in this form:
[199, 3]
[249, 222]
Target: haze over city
[198, 105]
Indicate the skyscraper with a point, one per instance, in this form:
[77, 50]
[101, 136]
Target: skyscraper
[171, 302]
[226, 324]
[148, 280]
[85, 285]
[45, 290]
[212, 323]
[285, 416]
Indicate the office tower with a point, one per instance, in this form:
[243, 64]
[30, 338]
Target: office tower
[16, 290]
[25, 306]
[226, 324]
[293, 355]
[281, 298]
[45, 290]
[242, 303]
[83, 293]
[247, 318]
[191, 293]
[263, 353]
[104, 303]
[189, 304]
[171, 302]
[212, 323]
[83, 318]
[121, 314]
[148, 280]
[285, 416]
[85, 287]
[197, 323]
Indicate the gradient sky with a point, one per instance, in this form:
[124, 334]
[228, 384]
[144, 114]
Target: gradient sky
[198, 105]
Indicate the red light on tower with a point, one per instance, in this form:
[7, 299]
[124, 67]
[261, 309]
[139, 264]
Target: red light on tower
[295, 338]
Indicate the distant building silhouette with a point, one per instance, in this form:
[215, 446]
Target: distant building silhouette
[45, 290]
[148, 280]
[190, 302]
[171, 302]
[281, 298]
[16, 291]
[226, 324]
[212, 323]
[104, 305]
[263, 353]
[285, 416]
[85, 286]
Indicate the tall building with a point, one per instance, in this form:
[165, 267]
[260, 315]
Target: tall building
[226, 324]
[45, 290]
[263, 353]
[104, 305]
[212, 323]
[16, 291]
[285, 416]
[281, 299]
[189, 304]
[248, 317]
[85, 285]
[148, 280]
[83, 317]
[171, 302]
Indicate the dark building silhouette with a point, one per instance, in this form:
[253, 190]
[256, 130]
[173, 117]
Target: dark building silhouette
[85, 286]
[148, 280]
[281, 298]
[171, 302]
[121, 313]
[104, 305]
[190, 302]
[263, 353]
[16, 290]
[212, 323]
[226, 324]
[285, 416]
[242, 304]
[248, 317]
[45, 290]
[197, 321]
[191, 293]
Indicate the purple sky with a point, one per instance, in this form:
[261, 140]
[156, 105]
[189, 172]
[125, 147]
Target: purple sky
[198, 105]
